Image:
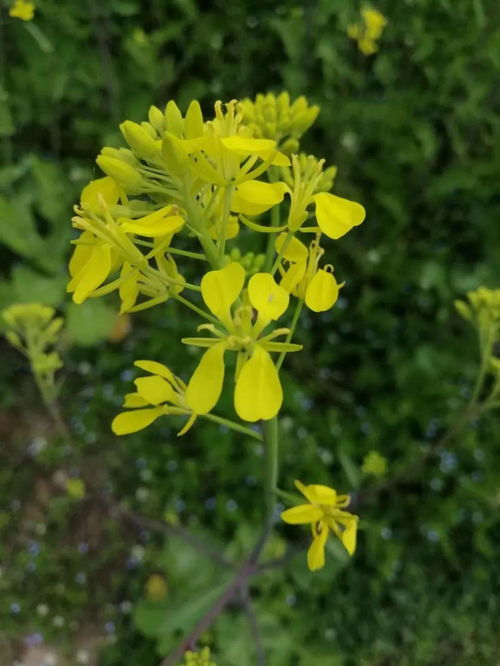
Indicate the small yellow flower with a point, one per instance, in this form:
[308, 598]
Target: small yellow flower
[75, 488]
[258, 393]
[368, 31]
[325, 512]
[303, 278]
[158, 394]
[374, 464]
[156, 588]
[22, 9]
[201, 658]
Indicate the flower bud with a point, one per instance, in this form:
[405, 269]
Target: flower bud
[122, 172]
[139, 139]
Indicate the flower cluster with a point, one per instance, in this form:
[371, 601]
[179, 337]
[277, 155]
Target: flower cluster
[368, 30]
[483, 311]
[184, 179]
[23, 10]
[189, 196]
[201, 658]
[34, 329]
[275, 117]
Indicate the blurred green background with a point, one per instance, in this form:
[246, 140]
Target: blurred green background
[415, 133]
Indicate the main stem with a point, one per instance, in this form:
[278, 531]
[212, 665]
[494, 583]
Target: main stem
[271, 437]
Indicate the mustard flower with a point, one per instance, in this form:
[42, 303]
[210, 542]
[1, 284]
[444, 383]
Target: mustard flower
[335, 215]
[23, 10]
[303, 278]
[108, 245]
[158, 394]
[276, 117]
[258, 393]
[325, 512]
[368, 31]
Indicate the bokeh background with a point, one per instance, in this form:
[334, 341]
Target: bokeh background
[415, 132]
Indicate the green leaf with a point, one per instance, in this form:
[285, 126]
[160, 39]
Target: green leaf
[90, 323]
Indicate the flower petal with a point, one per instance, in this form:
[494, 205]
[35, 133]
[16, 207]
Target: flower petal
[336, 216]
[316, 552]
[221, 288]
[349, 534]
[205, 385]
[322, 292]
[138, 419]
[317, 493]
[93, 274]
[268, 298]
[96, 191]
[258, 393]
[302, 514]
[254, 197]
[295, 250]
[154, 389]
[134, 400]
[156, 368]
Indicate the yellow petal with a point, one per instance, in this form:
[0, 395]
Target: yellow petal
[337, 216]
[138, 419]
[82, 253]
[268, 298]
[316, 552]
[221, 288]
[93, 273]
[95, 192]
[154, 389]
[258, 393]
[205, 385]
[348, 537]
[292, 278]
[243, 146]
[302, 514]
[254, 197]
[156, 368]
[134, 400]
[163, 227]
[322, 292]
[295, 250]
[317, 493]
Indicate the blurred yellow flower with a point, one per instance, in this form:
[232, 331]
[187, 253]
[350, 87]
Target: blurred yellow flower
[156, 587]
[374, 464]
[368, 31]
[22, 9]
[325, 512]
[75, 488]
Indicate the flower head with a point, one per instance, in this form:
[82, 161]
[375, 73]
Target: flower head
[368, 30]
[325, 512]
[243, 315]
[23, 10]
[158, 394]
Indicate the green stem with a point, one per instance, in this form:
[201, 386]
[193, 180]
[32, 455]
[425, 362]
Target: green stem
[298, 309]
[234, 426]
[195, 308]
[282, 251]
[275, 222]
[225, 220]
[271, 435]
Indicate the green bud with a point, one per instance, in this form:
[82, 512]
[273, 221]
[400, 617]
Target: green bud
[139, 139]
[122, 172]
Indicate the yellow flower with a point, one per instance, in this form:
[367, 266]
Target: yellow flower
[303, 278]
[107, 246]
[22, 9]
[75, 488]
[158, 394]
[335, 215]
[258, 393]
[325, 512]
[156, 587]
[201, 658]
[375, 464]
[368, 31]
[274, 117]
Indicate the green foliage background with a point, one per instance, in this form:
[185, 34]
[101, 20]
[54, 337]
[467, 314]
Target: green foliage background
[415, 132]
